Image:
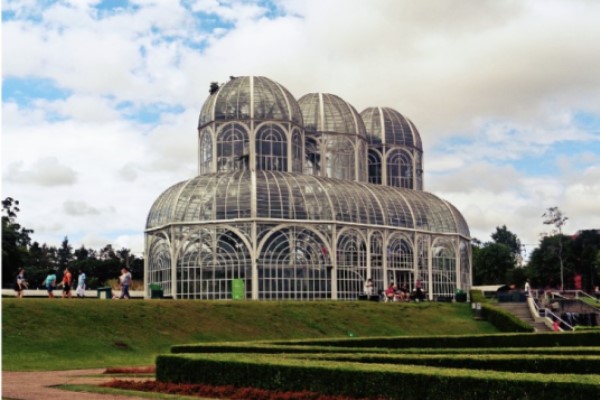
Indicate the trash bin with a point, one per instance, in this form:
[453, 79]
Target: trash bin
[476, 310]
[460, 296]
[156, 291]
[104, 293]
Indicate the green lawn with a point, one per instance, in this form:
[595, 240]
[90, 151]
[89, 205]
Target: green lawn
[45, 334]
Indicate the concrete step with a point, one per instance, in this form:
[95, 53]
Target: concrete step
[521, 311]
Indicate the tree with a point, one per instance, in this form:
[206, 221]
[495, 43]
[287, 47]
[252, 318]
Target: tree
[18, 251]
[495, 262]
[507, 238]
[582, 256]
[492, 264]
[81, 253]
[553, 216]
[544, 267]
[15, 241]
[65, 253]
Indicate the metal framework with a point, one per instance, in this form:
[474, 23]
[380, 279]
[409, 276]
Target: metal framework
[289, 200]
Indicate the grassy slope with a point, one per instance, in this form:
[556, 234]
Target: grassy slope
[43, 334]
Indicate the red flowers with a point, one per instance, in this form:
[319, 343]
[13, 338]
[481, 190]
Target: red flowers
[220, 392]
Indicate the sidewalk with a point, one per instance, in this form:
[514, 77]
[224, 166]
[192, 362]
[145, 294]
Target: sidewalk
[39, 385]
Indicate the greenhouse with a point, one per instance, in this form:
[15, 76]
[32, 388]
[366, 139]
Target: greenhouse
[303, 200]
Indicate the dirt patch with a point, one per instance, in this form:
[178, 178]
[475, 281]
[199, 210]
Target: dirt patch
[42, 385]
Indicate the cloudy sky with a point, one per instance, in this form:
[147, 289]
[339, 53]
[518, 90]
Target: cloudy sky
[100, 99]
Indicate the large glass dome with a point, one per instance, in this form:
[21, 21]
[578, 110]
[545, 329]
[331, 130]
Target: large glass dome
[221, 197]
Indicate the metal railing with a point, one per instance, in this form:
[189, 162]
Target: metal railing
[561, 322]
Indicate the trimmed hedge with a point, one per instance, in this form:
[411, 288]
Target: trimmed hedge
[546, 339]
[574, 364]
[404, 382]
[269, 348]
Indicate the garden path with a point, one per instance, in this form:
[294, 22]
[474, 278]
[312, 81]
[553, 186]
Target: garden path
[40, 385]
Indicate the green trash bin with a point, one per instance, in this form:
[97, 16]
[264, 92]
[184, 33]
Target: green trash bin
[156, 291]
[104, 293]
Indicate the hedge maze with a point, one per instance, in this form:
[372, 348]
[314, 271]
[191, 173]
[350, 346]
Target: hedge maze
[504, 366]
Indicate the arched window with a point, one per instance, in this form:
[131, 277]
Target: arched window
[374, 167]
[271, 148]
[419, 171]
[377, 261]
[232, 148]
[294, 264]
[313, 156]
[443, 269]
[205, 155]
[159, 267]
[297, 155]
[361, 161]
[341, 161]
[400, 261]
[399, 169]
[208, 262]
[352, 265]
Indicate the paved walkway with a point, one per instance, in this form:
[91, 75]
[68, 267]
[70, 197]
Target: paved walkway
[39, 385]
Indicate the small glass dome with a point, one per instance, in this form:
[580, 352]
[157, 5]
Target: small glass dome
[386, 125]
[324, 112]
[336, 140]
[250, 97]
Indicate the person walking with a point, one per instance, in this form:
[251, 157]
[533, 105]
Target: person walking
[527, 288]
[66, 283]
[80, 292]
[125, 280]
[20, 283]
[49, 283]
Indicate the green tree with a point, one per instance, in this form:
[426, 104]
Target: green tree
[544, 267]
[81, 253]
[507, 238]
[15, 241]
[492, 264]
[582, 255]
[65, 253]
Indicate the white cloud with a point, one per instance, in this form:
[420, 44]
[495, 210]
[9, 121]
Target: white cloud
[44, 172]
[79, 208]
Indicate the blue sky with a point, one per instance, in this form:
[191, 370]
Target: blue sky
[100, 99]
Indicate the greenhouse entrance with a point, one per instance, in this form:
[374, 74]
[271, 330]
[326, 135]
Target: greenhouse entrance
[401, 278]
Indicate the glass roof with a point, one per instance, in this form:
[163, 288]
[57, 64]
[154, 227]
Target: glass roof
[250, 97]
[288, 196]
[387, 125]
[324, 112]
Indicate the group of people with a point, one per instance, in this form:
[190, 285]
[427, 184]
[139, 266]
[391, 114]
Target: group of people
[66, 283]
[50, 284]
[395, 293]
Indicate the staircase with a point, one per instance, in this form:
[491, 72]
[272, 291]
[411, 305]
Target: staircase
[521, 311]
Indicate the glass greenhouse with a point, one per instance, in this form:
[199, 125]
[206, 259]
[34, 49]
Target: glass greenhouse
[303, 200]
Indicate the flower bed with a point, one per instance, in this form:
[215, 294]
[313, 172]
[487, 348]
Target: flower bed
[220, 392]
